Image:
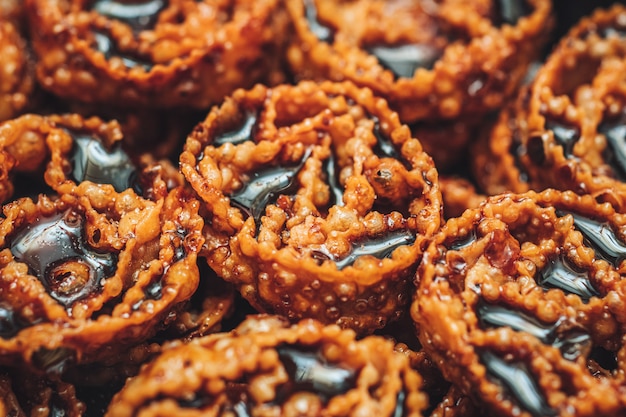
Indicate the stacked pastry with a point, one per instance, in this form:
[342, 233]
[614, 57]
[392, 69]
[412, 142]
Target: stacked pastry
[385, 208]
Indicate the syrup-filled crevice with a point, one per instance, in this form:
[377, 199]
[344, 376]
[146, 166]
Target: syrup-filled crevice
[565, 144]
[139, 15]
[55, 250]
[64, 153]
[85, 278]
[331, 185]
[523, 290]
[406, 66]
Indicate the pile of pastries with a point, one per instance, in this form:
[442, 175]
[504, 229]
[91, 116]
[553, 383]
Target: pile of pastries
[312, 208]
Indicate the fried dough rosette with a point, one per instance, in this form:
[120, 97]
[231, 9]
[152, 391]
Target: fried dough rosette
[68, 150]
[154, 53]
[567, 130]
[430, 60]
[318, 201]
[520, 302]
[27, 395]
[86, 275]
[268, 367]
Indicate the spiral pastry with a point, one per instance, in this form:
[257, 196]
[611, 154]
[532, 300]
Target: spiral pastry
[430, 60]
[86, 275]
[318, 201]
[567, 129]
[268, 366]
[520, 302]
[44, 153]
[153, 53]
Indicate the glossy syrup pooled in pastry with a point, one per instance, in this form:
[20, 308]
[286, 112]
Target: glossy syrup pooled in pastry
[559, 273]
[510, 11]
[91, 161]
[264, 187]
[380, 248]
[55, 251]
[308, 370]
[323, 33]
[404, 60]
[139, 15]
[601, 237]
[571, 340]
[106, 45]
[241, 134]
[519, 382]
[332, 179]
[565, 135]
[615, 132]
[10, 323]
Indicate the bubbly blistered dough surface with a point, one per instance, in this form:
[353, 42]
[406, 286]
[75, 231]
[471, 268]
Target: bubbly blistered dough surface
[524, 290]
[318, 200]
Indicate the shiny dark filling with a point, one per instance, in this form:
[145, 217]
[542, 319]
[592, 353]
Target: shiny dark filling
[238, 136]
[403, 60]
[559, 273]
[572, 341]
[379, 248]
[399, 410]
[611, 31]
[308, 370]
[565, 135]
[517, 150]
[198, 402]
[10, 323]
[601, 238]
[510, 11]
[384, 146]
[264, 187]
[615, 132]
[465, 241]
[56, 253]
[91, 161]
[321, 32]
[237, 403]
[58, 406]
[179, 245]
[106, 46]
[56, 410]
[534, 149]
[518, 380]
[332, 179]
[154, 291]
[139, 15]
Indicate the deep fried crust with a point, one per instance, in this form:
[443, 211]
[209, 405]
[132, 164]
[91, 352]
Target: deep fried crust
[186, 53]
[565, 130]
[60, 152]
[88, 274]
[471, 55]
[520, 303]
[268, 367]
[297, 182]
